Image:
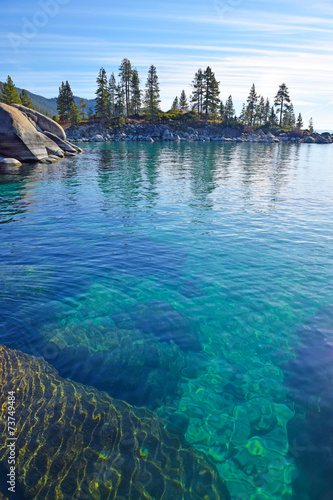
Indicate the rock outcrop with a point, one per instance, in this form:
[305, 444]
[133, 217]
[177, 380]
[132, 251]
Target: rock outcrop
[25, 136]
[46, 124]
[73, 441]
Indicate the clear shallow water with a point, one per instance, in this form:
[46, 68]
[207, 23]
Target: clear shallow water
[194, 279]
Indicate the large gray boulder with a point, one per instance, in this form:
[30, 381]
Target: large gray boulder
[18, 137]
[46, 124]
[21, 137]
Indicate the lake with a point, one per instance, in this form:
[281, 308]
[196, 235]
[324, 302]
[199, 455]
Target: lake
[194, 279]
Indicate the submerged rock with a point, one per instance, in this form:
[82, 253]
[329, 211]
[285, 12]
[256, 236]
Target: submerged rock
[75, 442]
[125, 363]
[163, 320]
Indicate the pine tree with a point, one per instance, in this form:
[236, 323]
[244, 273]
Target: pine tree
[175, 104]
[102, 96]
[61, 103]
[267, 111]
[119, 105]
[222, 110]
[289, 117]
[229, 109]
[135, 92]
[311, 129]
[64, 101]
[197, 94]
[252, 101]
[282, 100]
[299, 123]
[272, 118]
[211, 92]
[25, 100]
[9, 93]
[69, 98]
[112, 94]
[125, 73]
[242, 116]
[152, 97]
[74, 115]
[83, 106]
[285, 118]
[90, 113]
[260, 111]
[183, 105]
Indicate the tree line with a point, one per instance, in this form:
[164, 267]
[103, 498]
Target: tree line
[256, 112]
[124, 98]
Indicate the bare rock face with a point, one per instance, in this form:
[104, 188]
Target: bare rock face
[43, 122]
[18, 137]
[25, 136]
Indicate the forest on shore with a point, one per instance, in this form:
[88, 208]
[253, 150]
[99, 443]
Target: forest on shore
[117, 102]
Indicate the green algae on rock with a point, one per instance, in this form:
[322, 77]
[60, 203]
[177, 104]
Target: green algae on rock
[76, 442]
[134, 366]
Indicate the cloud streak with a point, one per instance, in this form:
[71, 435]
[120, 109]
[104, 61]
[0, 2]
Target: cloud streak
[261, 45]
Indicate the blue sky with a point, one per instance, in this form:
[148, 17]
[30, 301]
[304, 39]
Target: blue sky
[264, 42]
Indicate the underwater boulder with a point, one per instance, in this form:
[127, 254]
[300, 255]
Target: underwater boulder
[128, 364]
[162, 320]
[76, 442]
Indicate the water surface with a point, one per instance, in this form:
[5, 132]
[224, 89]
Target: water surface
[194, 279]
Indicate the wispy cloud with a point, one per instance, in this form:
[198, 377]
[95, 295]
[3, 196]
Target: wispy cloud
[257, 42]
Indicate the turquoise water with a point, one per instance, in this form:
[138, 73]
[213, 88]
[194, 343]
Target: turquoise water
[193, 279]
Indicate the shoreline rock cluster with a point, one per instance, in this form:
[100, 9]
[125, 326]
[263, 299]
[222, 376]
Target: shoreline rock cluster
[29, 136]
[163, 133]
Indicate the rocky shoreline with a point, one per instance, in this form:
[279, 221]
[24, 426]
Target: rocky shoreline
[163, 133]
[29, 136]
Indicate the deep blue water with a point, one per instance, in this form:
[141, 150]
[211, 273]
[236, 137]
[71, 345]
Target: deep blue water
[194, 279]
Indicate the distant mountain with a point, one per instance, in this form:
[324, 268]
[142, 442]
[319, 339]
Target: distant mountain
[49, 106]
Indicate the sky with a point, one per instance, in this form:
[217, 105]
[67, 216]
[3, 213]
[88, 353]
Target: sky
[44, 42]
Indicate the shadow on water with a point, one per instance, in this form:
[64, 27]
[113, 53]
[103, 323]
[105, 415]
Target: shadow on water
[309, 377]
